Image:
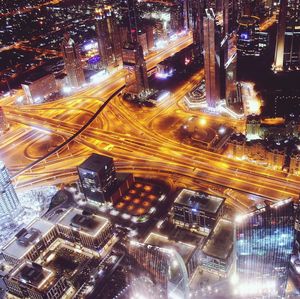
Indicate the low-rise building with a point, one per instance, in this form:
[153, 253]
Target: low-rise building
[89, 230]
[31, 280]
[236, 145]
[217, 251]
[29, 242]
[197, 211]
[276, 155]
[269, 153]
[41, 260]
[295, 161]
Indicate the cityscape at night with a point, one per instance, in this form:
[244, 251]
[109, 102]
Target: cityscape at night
[150, 149]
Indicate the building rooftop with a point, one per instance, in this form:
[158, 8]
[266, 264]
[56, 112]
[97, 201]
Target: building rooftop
[83, 221]
[26, 238]
[248, 20]
[184, 249]
[237, 137]
[279, 147]
[36, 76]
[95, 162]
[220, 243]
[199, 201]
[33, 274]
[253, 118]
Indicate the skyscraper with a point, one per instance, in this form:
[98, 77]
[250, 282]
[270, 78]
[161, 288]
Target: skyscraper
[287, 50]
[9, 202]
[133, 57]
[73, 65]
[230, 65]
[108, 38]
[264, 244]
[229, 16]
[292, 36]
[196, 12]
[280, 38]
[165, 266]
[97, 175]
[212, 59]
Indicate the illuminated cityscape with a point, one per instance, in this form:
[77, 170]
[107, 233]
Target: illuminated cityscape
[150, 149]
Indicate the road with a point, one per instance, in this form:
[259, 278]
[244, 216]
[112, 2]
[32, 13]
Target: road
[130, 135]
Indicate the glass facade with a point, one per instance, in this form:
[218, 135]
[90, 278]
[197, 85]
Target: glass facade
[264, 244]
[9, 202]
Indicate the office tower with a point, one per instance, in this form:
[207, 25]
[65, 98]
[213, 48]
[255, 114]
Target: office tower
[176, 16]
[133, 57]
[165, 266]
[230, 65]
[108, 37]
[251, 42]
[292, 36]
[229, 16]
[195, 22]
[280, 38]
[9, 202]
[73, 66]
[150, 37]
[287, 50]
[3, 122]
[264, 244]
[212, 58]
[97, 175]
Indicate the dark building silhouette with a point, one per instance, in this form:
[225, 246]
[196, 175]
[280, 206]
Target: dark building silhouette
[97, 176]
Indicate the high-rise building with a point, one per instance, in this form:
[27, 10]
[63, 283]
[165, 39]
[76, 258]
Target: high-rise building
[4, 125]
[229, 16]
[9, 202]
[287, 50]
[177, 17]
[229, 47]
[292, 36]
[73, 65]
[133, 57]
[165, 266]
[108, 37]
[250, 40]
[150, 37]
[264, 244]
[97, 176]
[212, 58]
[280, 38]
[39, 86]
[196, 13]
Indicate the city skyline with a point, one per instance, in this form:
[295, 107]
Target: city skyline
[149, 149]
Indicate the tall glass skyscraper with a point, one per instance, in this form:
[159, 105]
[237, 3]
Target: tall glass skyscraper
[287, 51]
[73, 66]
[264, 244]
[212, 63]
[165, 266]
[9, 202]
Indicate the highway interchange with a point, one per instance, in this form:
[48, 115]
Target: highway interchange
[132, 137]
